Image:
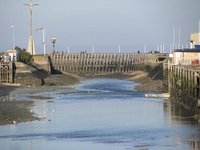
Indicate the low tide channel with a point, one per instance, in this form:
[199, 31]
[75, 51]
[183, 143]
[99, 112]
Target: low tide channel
[102, 114]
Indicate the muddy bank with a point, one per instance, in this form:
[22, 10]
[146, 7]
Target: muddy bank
[146, 83]
[12, 112]
[5, 90]
[64, 79]
[150, 86]
[20, 111]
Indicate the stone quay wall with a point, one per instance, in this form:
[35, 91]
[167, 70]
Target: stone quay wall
[183, 82]
[103, 63]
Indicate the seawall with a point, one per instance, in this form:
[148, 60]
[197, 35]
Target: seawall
[28, 76]
[183, 84]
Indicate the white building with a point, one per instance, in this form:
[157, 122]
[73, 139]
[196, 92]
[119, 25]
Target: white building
[13, 55]
[195, 40]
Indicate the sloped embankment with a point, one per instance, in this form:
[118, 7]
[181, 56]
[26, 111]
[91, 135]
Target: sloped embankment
[28, 75]
[151, 81]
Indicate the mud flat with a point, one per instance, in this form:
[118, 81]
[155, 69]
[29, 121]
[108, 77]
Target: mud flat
[146, 83]
[12, 112]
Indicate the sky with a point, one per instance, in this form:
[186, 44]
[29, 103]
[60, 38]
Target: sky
[105, 24]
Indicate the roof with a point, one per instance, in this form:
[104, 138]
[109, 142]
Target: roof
[12, 51]
[187, 50]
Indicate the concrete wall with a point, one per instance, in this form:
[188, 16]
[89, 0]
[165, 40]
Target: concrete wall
[102, 63]
[42, 62]
[184, 85]
[28, 76]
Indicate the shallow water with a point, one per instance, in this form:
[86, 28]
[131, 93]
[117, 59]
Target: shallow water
[102, 114]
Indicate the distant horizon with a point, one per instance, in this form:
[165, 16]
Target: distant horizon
[80, 24]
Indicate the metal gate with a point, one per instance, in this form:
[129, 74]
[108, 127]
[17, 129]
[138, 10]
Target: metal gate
[6, 72]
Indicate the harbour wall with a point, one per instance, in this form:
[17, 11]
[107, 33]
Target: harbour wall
[87, 63]
[183, 84]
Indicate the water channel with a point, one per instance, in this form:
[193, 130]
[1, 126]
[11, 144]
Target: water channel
[103, 114]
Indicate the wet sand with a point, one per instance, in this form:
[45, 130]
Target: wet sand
[146, 83]
[12, 112]
[5, 89]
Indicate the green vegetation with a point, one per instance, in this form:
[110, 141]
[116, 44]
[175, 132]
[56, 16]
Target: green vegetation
[1, 53]
[24, 56]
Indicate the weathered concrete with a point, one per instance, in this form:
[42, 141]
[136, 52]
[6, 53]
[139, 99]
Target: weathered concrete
[184, 85]
[28, 76]
[82, 64]
[103, 63]
[42, 62]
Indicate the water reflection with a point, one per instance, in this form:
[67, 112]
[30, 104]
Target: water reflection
[194, 144]
[179, 114]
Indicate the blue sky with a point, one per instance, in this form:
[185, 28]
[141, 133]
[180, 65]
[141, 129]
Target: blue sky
[106, 24]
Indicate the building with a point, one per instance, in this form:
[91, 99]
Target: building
[189, 56]
[195, 40]
[186, 57]
[11, 55]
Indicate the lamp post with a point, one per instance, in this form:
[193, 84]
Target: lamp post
[13, 36]
[53, 41]
[43, 38]
[31, 47]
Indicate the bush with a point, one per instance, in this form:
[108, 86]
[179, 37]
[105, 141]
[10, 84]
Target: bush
[24, 56]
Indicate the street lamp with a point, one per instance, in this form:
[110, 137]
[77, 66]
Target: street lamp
[53, 41]
[13, 36]
[31, 47]
[43, 38]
